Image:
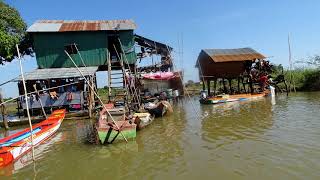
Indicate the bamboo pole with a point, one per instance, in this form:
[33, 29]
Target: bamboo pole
[291, 68]
[89, 103]
[96, 95]
[90, 98]
[126, 62]
[44, 112]
[26, 100]
[109, 77]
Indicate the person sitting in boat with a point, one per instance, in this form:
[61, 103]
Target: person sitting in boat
[203, 95]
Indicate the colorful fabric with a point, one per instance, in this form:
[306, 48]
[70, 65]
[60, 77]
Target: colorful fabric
[159, 75]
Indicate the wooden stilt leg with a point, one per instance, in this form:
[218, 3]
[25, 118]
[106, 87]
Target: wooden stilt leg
[203, 85]
[214, 87]
[208, 84]
[239, 90]
[243, 84]
[230, 86]
[224, 86]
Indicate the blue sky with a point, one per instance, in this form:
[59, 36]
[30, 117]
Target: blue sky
[262, 25]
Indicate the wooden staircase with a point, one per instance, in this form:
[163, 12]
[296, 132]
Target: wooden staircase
[117, 90]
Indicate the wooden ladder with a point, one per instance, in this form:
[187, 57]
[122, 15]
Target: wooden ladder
[117, 90]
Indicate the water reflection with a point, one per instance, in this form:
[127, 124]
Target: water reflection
[236, 120]
[39, 153]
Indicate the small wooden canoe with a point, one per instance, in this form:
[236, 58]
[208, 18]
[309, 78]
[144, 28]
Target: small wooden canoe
[109, 132]
[16, 145]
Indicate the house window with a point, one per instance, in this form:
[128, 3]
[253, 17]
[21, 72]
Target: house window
[71, 48]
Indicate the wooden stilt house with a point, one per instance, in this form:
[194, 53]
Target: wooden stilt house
[93, 45]
[225, 64]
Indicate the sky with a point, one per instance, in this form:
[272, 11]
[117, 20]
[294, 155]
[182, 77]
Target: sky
[262, 25]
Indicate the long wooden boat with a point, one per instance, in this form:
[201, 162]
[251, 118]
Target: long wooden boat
[16, 145]
[109, 131]
[232, 98]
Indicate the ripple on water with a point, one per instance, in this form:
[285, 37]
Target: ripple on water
[247, 140]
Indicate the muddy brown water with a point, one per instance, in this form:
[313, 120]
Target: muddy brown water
[259, 139]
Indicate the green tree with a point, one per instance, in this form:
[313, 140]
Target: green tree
[315, 61]
[12, 32]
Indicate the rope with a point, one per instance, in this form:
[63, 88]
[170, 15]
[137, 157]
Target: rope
[11, 80]
[95, 94]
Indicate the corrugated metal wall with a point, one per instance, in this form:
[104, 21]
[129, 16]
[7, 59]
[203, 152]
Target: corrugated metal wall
[49, 48]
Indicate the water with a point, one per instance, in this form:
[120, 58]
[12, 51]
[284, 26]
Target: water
[248, 140]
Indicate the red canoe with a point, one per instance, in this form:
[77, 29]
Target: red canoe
[16, 145]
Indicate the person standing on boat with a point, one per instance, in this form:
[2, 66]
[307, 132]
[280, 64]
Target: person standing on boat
[263, 80]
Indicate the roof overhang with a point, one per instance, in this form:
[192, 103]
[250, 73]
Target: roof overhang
[58, 73]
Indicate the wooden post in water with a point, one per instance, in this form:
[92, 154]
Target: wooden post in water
[239, 90]
[214, 87]
[251, 84]
[208, 82]
[89, 101]
[230, 85]
[224, 85]
[91, 96]
[203, 85]
[3, 111]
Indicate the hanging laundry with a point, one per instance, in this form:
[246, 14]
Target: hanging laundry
[69, 96]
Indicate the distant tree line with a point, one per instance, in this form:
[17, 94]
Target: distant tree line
[306, 76]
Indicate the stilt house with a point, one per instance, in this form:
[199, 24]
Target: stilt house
[223, 64]
[93, 45]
